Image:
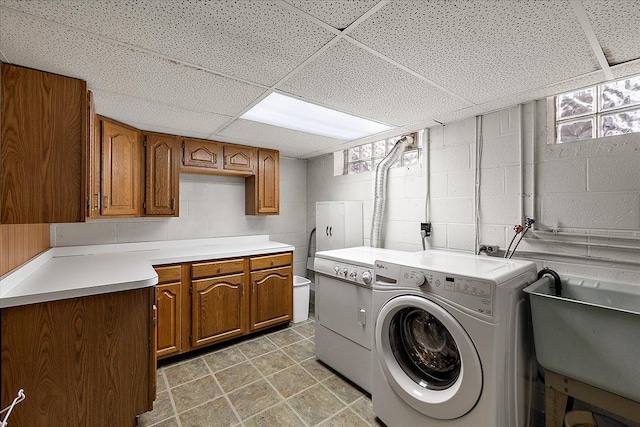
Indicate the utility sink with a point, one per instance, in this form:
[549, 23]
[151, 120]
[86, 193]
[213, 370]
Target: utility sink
[591, 332]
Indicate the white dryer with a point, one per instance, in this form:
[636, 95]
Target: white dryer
[452, 345]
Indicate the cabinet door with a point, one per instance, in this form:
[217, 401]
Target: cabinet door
[218, 309]
[201, 156]
[271, 297]
[329, 226]
[121, 166]
[44, 138]
[239, 158]
[268, 182]
[169, 319]
[161, 180]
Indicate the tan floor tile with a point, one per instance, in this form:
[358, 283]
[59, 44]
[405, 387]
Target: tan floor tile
[291, 381]
[185, 372]
[343, 389]
[256, 347]
[345, 418]
[224, 358]
[285, 337]
[317, 369]
[364, 408]
[162, 410]
[315, 405]
[253, 398]
[273, 362]
[161, 385]
[300, 351]
[237, 376]
[171, 422]
[194, 393]
[307, 330]
[217, 413]
[280, 415]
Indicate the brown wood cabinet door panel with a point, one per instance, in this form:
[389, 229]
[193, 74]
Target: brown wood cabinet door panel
[271, 297]
[44, 138]
[81, 361]
[218, 309]
[121, 165]
[239, 158]
[162, 179]
[217, 268]
[169, 321]
[270, 261]
[169, 273]
[268, 182]
[200, 154]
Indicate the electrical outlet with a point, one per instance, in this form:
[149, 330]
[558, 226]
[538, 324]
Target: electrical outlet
[490, 249]
[426, 227]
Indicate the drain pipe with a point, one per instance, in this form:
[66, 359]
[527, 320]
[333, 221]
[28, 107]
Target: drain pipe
[381, 187]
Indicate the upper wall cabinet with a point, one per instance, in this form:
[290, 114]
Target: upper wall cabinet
[239, 158]
[42, 147]
[199, 156]
[117, 191]
[262, 190]
[162, 158]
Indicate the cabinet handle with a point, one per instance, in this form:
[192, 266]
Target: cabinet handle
[330, 231]
[219, 269]
[173, 203]
[327, 230]
[106, 202]
[272, 262]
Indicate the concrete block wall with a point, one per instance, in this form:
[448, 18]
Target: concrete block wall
[210, 206]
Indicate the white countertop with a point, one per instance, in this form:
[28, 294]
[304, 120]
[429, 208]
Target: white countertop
[78, 271]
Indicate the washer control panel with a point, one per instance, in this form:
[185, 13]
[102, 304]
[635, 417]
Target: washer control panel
[344, 271]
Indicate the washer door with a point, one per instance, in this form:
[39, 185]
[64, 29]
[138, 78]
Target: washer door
[427, 357]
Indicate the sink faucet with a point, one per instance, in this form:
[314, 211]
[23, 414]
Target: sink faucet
[557, 283]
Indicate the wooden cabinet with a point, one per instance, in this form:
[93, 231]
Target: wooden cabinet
[200, 156]
[271, 291]
[169, 305]
[116, 187]
[86, 361]
[239, 158]
[162, 183]
[262, 190]
[42, 147]
[218, 302]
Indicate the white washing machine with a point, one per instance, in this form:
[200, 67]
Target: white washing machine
[452, 341]
[343, 309]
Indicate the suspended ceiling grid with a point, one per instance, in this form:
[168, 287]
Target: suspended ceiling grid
[193, 68]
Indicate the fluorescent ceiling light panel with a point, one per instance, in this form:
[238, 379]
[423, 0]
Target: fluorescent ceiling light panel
[292, 113]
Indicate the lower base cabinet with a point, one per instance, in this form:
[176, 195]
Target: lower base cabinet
[208, 302]
[86, 361]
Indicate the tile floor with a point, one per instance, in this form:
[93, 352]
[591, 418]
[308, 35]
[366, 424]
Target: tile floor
[272, 379]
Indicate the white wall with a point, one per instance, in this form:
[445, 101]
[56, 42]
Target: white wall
[584, 188]
[210, 206]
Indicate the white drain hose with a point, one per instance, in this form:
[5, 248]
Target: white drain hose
[380, 188]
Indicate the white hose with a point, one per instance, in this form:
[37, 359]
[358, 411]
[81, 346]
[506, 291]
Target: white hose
[380, 188]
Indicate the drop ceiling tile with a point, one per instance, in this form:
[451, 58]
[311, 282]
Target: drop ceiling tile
[156, 116]
[615, 23]
[355, 81]
[290, 142]
[482, 50]
[110, 67]
[338, 14]
[258, 41]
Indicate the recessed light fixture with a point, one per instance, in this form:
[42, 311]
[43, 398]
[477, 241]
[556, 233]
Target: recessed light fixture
[292, 113]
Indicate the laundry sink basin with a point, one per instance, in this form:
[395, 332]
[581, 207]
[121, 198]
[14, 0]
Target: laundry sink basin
[591, 332]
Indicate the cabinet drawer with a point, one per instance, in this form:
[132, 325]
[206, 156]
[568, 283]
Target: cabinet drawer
[269, 261]
[169, 273]
[216, 268]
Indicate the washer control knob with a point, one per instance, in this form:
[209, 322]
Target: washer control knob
[345, 271]
[336, 269]
[353, 274]
[419, 279]
[366, 277]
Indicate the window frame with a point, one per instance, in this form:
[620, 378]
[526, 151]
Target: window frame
[389, 143]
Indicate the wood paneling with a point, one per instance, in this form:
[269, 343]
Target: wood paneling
[42, 147]
[21, 242]
[81, 361]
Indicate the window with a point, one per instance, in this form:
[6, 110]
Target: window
[365, 157]
[604, 110]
